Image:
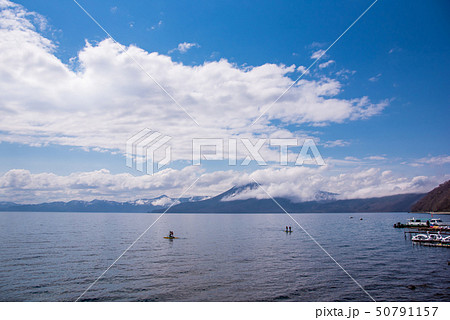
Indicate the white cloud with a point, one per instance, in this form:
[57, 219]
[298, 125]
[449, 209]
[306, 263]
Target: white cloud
[394, 50]
[375, 78]
[158, 25]
[438, 160]
[415, 165]
[345, 73]
[317, 54]
[375, 158]
[336, 143]
[108, 98]
[22, 186]
[326, 64]
[302, 69]
[184, 47]
[316, 44]
[301, 183]
[165, 202]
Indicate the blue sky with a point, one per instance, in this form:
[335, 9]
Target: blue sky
[396, 54]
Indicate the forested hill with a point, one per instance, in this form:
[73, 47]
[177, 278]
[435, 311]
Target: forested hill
[437, 200]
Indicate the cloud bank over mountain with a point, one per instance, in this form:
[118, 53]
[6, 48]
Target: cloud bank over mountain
[294, 183]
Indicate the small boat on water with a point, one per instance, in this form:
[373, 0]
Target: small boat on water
[435, 237]
[429, 237]
[420, 238]
[170, 236]
[437, 222]
[416, 223]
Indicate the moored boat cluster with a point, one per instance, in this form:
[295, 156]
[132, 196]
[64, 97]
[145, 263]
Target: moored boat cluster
[435, 232]
[432, 238]
[418, 223]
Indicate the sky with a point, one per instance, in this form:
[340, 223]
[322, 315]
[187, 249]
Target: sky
[376, 104]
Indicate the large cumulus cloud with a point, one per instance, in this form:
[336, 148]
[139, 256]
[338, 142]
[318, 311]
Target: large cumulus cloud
[107, 97]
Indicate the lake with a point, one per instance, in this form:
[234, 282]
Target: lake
[218, 257]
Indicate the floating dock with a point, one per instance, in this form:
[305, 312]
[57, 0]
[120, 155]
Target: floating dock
[442, 232]
[433, 244]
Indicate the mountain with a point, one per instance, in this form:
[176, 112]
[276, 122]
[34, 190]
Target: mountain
[6, 203]
[326, 203]
[140, 205]
[228, 202]
[437, 200]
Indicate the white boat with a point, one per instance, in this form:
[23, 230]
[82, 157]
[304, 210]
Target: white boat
[446, 240]
[429, 237]
[420, 238]
[416, 223]
[437, 222]
[434, 237]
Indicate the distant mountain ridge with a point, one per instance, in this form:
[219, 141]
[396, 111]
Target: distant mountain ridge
[437, 200]
[325, 202]
[140, 205]
[225, 203]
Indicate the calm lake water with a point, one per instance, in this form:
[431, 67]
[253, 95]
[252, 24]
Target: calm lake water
[219, 257]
